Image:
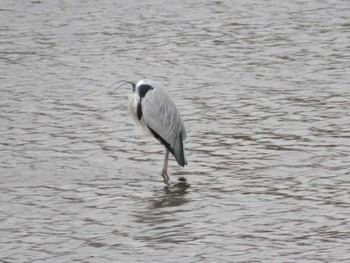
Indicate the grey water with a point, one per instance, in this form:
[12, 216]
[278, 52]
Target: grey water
[263, 88]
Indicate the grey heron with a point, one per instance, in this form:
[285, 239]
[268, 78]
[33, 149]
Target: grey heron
[152, 108]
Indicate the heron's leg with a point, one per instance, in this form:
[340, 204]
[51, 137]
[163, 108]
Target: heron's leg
[165, 167]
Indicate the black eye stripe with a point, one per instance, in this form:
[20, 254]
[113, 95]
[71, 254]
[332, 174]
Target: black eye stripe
[143, 89]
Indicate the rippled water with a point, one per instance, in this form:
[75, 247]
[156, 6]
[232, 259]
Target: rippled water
[264, 90]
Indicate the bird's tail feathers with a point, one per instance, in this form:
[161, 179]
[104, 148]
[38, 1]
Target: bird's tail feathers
[179, 152]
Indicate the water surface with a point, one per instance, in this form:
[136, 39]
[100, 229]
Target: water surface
[263, 87]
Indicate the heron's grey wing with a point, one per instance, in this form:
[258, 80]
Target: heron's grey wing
[162, 117]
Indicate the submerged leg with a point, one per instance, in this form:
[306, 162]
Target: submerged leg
[165, 167]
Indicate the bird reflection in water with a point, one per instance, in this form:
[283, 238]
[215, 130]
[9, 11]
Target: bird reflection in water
[174, 194]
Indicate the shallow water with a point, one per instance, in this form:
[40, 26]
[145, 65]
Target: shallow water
[263, 87]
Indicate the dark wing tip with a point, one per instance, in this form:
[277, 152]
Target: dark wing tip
[179, 152]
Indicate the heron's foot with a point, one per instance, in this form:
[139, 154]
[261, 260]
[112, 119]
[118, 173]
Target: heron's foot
[165, 176]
